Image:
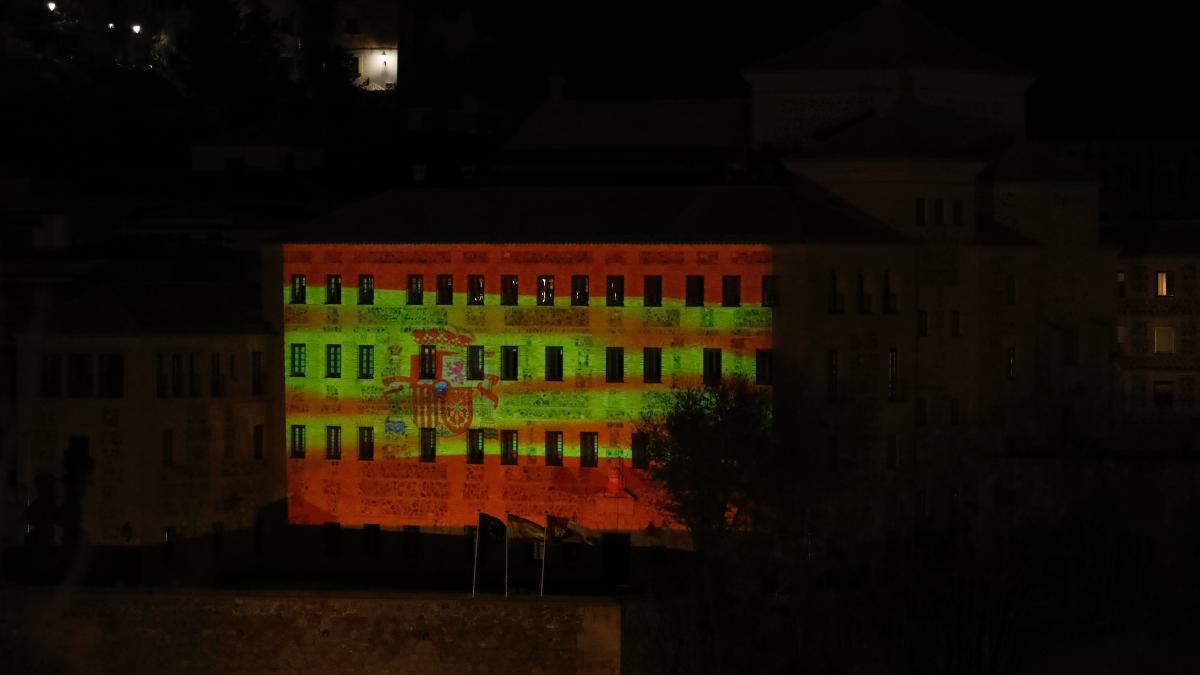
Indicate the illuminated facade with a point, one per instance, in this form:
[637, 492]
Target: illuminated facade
[426, 382]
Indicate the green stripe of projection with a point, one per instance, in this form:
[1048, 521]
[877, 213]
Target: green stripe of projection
[315, 297]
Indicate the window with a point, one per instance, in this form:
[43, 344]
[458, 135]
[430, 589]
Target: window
[893, 387]
[939, 212]
[366, 444]
[177, 381]
[955, 412]
[614, 364]
[1164, 340]
[652, 365]
[475, 362]
[508, 446]
[712, 366]
[922, 412]
[428, 362]
[1164, 395]
[258, 378]
[588, 449]
[366, 289]
[554, 364]
[333, 360]
[920, 214]
[162, 375]
[958, 212]
[299, 289]
[764, 366]
[193, 376]
[474, 446]
[1070, 346]
[445, 289]
[652, 290]
[1011, 290]
[258, 442]
[508, 363]
[579, 290]
[508, 289]
[366, 362]
[168, 446]
[79, 375]
[832, 375]
[615, 290]
[1011, 359]
[475, 289]
[416, 289]
[333, 289]
[862, 297]
[545, 290]
[299, 360]
[835, 296]
[641, 456]
[889, 296]
[112, 375]
[333, 442]
[51, 376]
[955, 323]
[1166, 284]
[770, 290]
[922, 323]
[694, 291]
[731, 290]
[893, 451]
[428, 444]
[1121, 284]
[554, 448]
[297, 441]
[216, 381]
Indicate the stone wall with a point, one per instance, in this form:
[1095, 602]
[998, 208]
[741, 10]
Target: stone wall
[89, 631]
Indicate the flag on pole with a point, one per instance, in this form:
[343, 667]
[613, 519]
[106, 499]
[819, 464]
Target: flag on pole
[565, 530]
[491, 528]
[524, 529]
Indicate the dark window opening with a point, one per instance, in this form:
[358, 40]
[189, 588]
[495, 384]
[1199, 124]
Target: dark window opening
[832, 376]
[712, 366]
[333, 289]
[475, 446]
[168, 446]
[50, 378]
[920, 214]
[640, 451]
[80, 376]
[475, 362]
[475, 289]
[890, 301]
[508, 447]
[509, 289]
[112, 375]
[428, 362]
[694, 291]
[922, 412]
[366, 289]
[299, 360]
[366, 444]
[652, 365]
[428, 444]
[939, 212]
[836, 301]
[862, 297]
[296, 443]
[770, 290]
[445, 289]
[333, 360]
[958, 212]
[333, 442]
[579, 290]
[764, 366]
[614, 364]
[545, 290]
[554, 364]
[1070, 346]
[508, 363]
[1011, 290]
[216, 382]
[615, 291]
[588, 449]
[893, 451]
[955, 323]
[731, 291]
[366, 362]
[922, 323]
[554, 448]
[652, 290]
[299, 289]
[259, 441]
[1164, 395]
[416, 289]
[893, 391]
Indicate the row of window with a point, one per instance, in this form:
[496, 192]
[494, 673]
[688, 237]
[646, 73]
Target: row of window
[614, 368]
[1164, 284]
[1164, 340]
[177, 374]
[923, 216]
[257, 443]
[614, 290]
[589, 445]
[834, 383]
[864, 299]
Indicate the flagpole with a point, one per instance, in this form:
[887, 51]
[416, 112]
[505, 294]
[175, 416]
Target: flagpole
[475, 566]
[545, 550]
[506, 555]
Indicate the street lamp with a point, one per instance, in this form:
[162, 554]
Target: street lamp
[51, 6]
[137, 28]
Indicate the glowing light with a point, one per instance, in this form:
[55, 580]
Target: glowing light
[137, 28]
[51, 6]
[111, 26]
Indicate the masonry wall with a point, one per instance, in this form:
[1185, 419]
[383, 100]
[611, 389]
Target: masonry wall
[210, 632]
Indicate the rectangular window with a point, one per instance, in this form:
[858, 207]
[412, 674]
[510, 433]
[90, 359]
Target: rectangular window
[641, 456]
[545, 290]
[1070, 346]
[770, 290]
[1166, 284]
[333, 442]
[589, 449]
[955, 323]
[366, 362]
[80, 377]
[299, 360]
[178, 383]
[694, 290]
[428, 444]
[509, 289]
[366, 444]
[614, 364]
[508, 446]
[764, 366]
[554, 448]
[296, 444]
[51, 376]
[862, 297]
[333, 360]
[299, 289]
[712, 366]
[428, 362]
[333, 289]
[554, 364]
[474, 446]
[731, 290]
[893, 451]
[475, 289]
[168, 446]
[652, 365]
[615, 290]
[416, 289]
[216, 382]
[112, 375]
[1164, 395]
[958, 212]
[445, 289]
[193, 376]
[366, 289]
[955, 412]
[258, 377]
[890, 300]
[1164, 340]
[836, 305]
[939, 212]
[1121, 284]
[922, 323]
[232, 369]
[922, 412]
[893, 388]
[1011, 290]
[475, 362]
[258, 442]
[508, 363]
[920, 214]
[1011, 366]
[652, 290]
[579, 290]
[832, 376]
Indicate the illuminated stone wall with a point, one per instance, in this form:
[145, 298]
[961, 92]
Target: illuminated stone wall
[394, 402]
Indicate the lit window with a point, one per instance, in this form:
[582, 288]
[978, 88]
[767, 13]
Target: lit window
[428, 444]
[652, 290]
[545, 290]
[1164, 340]
[333, 289]
[554, 448]
[416, 289]
[1166, 284]
[445, 289]
[509, 289]
[475, 289]
[366, 444]
[366, 289]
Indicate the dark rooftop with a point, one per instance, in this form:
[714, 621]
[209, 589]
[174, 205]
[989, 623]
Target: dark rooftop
[635, 124]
